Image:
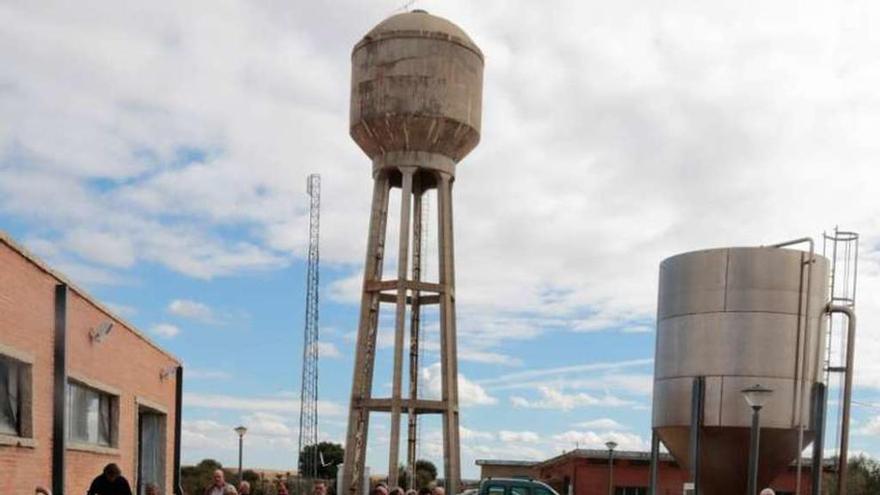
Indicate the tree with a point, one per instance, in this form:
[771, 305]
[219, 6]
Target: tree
[250, 476]
[194, 479]
[331, 453]
[863, 477]
[426, 473]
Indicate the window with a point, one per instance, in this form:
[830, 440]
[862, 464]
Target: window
[496, 490]
[14, 396]
[542, 491]
[630, 490]
[91, 415]
[519, 490]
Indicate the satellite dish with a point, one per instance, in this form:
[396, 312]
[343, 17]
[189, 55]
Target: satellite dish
[101, 331]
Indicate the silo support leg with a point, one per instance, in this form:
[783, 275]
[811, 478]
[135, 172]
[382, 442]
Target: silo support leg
[819, 442]
[655, 462]
[697, 395]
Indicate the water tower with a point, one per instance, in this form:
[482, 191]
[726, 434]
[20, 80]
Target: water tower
[416, 100]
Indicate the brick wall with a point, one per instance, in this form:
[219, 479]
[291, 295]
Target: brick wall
[125, 362]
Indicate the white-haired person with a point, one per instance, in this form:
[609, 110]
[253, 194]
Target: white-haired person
[768, 491]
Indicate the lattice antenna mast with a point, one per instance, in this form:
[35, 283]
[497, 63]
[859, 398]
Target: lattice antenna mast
[308, 416]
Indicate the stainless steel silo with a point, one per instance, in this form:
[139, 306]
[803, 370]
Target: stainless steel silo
[737, 317]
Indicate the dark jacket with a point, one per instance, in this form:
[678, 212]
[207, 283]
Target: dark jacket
[103, 486]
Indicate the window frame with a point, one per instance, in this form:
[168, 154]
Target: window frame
[113, 401]
[24, 434]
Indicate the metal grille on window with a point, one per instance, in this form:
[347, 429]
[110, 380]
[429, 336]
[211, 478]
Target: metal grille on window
[10, 406]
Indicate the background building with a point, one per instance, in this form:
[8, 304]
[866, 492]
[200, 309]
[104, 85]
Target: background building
[585, 472]
[70, 369]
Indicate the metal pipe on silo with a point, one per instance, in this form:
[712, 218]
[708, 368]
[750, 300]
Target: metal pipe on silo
[802, 346]
[842, 467]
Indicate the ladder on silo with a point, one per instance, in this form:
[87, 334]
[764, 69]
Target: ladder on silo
[842, 248]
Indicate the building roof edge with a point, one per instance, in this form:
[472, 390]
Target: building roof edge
[7, 239]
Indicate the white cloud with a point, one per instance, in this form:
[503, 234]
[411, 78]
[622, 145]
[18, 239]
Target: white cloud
[122, 310]
[468, 434]
[601, 424]
[194, 310]
[202, 374]
[556, 399]
[596, 440]
[870, 428]
[103, 248]
[578, 369]
[250, 403]
[165, 330]
[469, 393]
[488, 357]
[518, 436]
[267, 424]
[328, 350]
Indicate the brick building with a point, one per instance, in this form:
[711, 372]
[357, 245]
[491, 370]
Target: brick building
[585, 472]
[71, 370]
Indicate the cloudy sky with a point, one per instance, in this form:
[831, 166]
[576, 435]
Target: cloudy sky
[156, 152]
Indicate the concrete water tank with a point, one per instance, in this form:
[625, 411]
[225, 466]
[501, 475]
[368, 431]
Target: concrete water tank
[416, 92]
[738, 317]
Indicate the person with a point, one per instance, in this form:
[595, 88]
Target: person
[230, 490]
[282, 488]
[768, 491]
[424, 490]
[319, 488]
[412, 491]
[380, 489]
[151, 489]
[110, 482]
[218, 484]
[396, 491]
[244, 488]
[438, 490]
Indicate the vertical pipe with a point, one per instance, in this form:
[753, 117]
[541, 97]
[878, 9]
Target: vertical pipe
[610, 471]
[400, 322]
[753, 451]
[178, 420]
[842, 467]
[414, 326]
[240, 446]
[362, 379]
[655, 460]
[696, 423]
[59, 391]
[819, 402]
[448, 350]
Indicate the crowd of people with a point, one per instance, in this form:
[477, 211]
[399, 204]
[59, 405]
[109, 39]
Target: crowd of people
[382, 489]
[111, 482]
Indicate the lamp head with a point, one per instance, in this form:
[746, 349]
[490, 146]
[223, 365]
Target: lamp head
[241, 430]
[757, 396]
[100, 332]
[611, 444]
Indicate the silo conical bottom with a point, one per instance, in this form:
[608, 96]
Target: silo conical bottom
[724, 458]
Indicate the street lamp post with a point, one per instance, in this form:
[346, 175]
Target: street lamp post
[756, 396]
[240, 430]
[611, 446]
